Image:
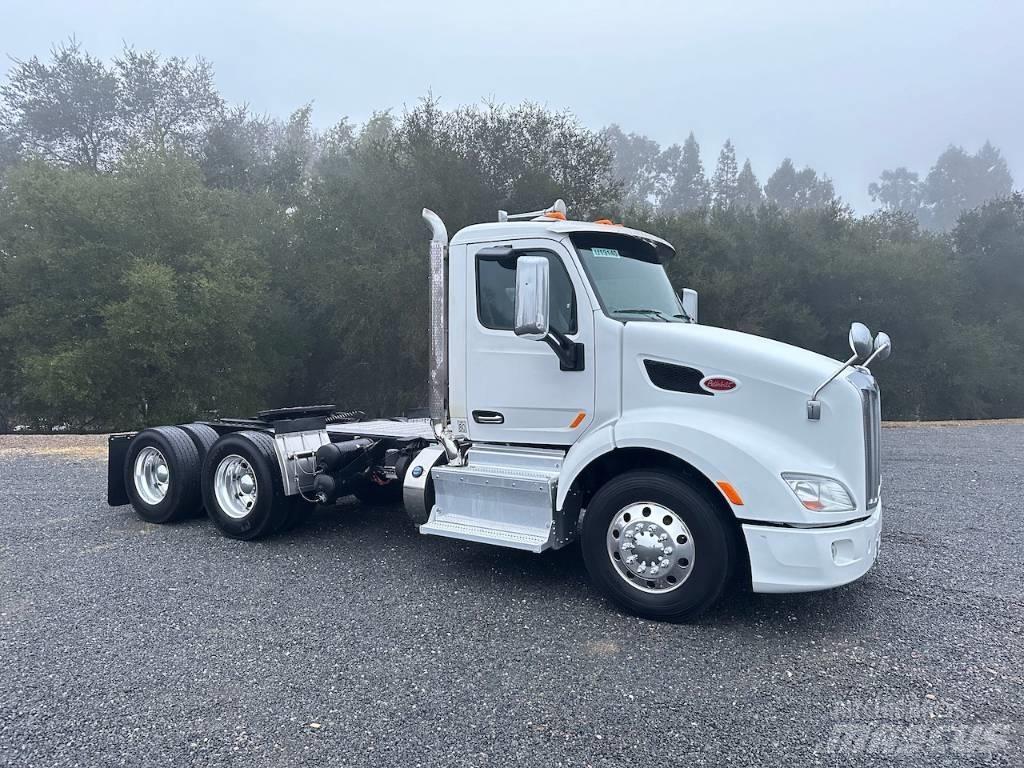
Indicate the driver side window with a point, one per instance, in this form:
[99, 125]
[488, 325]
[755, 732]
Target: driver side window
[496, 292]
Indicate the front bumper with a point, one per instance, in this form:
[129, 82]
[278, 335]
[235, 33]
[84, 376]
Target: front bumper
[808, 559]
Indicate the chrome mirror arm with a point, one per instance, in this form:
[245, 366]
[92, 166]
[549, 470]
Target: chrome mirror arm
[814, 405]
[876, 353]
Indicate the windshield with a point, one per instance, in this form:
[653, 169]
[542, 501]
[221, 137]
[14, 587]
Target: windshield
[628, 277]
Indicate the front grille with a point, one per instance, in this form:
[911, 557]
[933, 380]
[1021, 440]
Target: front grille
[872, 412]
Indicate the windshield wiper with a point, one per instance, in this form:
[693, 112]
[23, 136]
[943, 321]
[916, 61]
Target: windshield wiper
[643, 311]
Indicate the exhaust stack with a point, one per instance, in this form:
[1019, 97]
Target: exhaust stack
[438, 399]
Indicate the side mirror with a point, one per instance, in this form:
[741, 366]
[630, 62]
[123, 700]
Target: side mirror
[688, 297]
[533, 303]
[860, 341]
[883, 348]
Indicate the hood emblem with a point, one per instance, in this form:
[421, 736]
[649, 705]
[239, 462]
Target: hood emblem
[718, 383]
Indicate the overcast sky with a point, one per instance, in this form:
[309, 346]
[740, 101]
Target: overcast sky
[849, 88]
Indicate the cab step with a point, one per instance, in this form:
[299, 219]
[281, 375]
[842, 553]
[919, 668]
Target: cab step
[502, 496]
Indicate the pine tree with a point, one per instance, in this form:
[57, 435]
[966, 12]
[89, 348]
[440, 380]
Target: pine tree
[748, 188]
[690, 189]
[725, 184]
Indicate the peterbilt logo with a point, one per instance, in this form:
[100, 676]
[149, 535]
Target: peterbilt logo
[718, 383]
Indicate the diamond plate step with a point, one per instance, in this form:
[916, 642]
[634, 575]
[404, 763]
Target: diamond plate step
[509, 536]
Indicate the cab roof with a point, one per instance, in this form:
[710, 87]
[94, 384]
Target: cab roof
[545, 227]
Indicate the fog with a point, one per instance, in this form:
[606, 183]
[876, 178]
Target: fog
[850, 90]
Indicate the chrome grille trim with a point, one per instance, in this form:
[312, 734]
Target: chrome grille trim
[872, 415]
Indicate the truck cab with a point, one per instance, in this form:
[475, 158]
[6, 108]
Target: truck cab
[574, 396]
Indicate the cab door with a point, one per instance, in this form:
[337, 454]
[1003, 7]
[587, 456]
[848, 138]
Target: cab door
[516, 391]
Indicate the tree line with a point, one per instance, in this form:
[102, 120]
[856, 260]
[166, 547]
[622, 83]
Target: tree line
[166, 256]
[673, 180]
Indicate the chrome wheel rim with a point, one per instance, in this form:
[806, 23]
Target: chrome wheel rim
[152, 476]
[235, 486]
[650, 547]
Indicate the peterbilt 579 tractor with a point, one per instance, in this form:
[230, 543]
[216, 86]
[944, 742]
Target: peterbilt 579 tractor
[572, 396]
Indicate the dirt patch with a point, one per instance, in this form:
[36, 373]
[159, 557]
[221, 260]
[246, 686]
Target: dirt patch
[88, 447]
[965, 423]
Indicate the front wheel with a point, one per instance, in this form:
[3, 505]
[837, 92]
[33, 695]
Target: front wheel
[657, 545]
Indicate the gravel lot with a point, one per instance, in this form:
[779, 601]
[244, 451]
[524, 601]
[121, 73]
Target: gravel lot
[356, 641]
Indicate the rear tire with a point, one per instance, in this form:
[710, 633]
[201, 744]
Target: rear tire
[242, 487]
[162, 475]
[203, 436]
[657, 546]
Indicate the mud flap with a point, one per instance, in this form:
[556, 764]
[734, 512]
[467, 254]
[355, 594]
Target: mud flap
[117, 451]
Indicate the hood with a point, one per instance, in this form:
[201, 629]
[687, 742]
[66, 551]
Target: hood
[723, 352]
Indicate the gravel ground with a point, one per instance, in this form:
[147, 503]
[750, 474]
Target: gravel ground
[356, 641]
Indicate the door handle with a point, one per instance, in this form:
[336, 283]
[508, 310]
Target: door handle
[488, 417]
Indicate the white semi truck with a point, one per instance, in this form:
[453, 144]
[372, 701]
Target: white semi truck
[572, 395]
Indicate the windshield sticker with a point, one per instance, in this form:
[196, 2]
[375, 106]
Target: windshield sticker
[605, 253]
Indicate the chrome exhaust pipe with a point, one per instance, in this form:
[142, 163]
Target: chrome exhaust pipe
[438, 397]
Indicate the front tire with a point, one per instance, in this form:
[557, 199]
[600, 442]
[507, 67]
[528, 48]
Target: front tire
[242, 488]
[657, 545]
[162, 475]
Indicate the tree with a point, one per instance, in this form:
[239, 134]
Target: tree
[725, 184]
[959, 181]
[165, 103]
[66, 111]
[76, 111]
[8, 151]
[294, 153]
[237, 151]
[748, 188]
[689, 190]
[144, 292]
[638, 165]
[794, 190]
[989, 243]
[897, 190]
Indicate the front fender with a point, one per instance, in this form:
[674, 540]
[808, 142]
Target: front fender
[722, 447]
[594, 444]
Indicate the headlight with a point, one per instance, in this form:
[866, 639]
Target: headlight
[819, 494]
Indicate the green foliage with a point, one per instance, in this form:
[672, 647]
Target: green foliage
[77, 111]
[65, 111]
[128, 298]
[794, 190]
